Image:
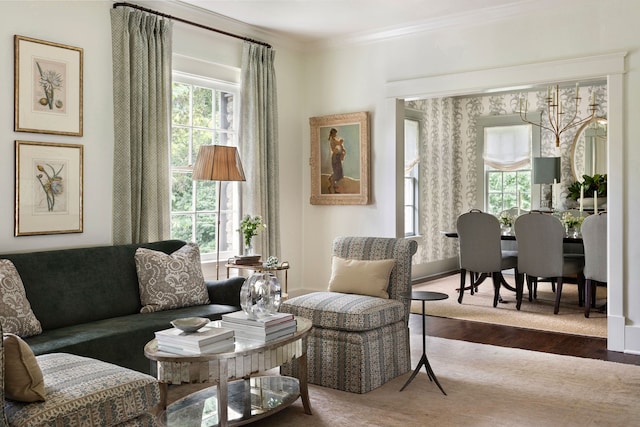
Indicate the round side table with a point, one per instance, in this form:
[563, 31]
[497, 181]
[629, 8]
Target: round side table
[425, 296]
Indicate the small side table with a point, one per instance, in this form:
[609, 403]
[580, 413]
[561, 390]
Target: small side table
[259, 267]
[425, 296]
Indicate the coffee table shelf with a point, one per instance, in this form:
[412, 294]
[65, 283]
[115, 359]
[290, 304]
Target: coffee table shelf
[248, 401]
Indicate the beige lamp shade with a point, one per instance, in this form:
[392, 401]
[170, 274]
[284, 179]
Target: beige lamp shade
[218, 163]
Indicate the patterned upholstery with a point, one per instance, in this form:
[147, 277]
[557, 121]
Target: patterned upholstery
[359, 342]
[347, 312]
[84, 392]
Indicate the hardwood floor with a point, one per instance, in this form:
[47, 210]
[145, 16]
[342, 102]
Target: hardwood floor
[528, 339]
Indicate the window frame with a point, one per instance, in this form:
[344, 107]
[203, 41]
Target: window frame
[231, 191]
[482, 174]
[414, 183]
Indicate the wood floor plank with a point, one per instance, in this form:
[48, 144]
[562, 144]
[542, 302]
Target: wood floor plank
[528, 339]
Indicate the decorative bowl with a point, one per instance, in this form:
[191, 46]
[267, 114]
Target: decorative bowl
[190, 324]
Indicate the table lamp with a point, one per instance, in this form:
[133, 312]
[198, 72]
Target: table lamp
[546, 170]
[218, 163]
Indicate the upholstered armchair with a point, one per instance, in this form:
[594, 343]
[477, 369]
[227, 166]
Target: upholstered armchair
[359, 341]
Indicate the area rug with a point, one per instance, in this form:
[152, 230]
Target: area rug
[537, 314]
[486, 386]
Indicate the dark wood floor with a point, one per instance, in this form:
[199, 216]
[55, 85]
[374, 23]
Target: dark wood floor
[528, 339]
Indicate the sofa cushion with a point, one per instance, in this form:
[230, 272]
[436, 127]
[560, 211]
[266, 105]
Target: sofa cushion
[23, 378]
[15, 311]
[364, 277]
[170, 281]
[119, 340]
[83, 391]
[349, 312]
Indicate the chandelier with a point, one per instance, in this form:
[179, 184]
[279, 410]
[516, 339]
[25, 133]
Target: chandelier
[558, 123]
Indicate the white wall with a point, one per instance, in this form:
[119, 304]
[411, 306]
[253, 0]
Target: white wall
[79, 24]
[357, 78]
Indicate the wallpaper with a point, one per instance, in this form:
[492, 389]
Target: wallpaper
[448, 177]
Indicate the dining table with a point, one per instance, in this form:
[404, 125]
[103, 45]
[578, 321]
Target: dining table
[565, 239]
[577, 239]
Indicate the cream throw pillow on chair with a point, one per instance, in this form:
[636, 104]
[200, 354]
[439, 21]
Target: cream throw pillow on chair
[363, 277]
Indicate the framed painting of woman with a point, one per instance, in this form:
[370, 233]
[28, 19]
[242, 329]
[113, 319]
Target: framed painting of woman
[340, 159]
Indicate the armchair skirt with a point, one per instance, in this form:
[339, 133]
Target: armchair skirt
[357, 343]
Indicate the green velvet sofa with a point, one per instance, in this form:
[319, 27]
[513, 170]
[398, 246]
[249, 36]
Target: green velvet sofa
[88, 302]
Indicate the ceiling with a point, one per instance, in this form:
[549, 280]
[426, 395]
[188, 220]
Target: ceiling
[316, 21]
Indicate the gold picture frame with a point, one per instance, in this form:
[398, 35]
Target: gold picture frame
[47, 87]
[49, 181]
[340, 159]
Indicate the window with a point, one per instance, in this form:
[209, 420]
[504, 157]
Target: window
[507, 162]
[411, 164]
[203, 113]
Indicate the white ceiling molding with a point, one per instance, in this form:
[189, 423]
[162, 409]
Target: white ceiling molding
[471, 82]
[462, 19]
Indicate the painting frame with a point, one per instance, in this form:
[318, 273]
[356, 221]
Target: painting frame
[348, 160]
[48, 188]
[48, 87]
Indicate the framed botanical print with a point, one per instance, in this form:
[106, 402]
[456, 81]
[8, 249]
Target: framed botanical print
[340, 159]
[48, 197]
[47, 87]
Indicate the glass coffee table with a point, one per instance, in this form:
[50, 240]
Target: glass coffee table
[239, 397]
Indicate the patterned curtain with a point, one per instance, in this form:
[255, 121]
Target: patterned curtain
[441, 182]
[259, 143]
[141, 46]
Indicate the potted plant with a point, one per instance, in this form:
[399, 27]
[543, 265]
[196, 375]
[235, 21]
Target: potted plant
[572, 224]
[250, 226]
[590, 185]
[506, 222]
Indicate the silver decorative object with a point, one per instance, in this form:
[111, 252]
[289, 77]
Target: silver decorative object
[260, 294]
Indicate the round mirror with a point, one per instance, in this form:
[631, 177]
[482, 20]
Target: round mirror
[589, 150]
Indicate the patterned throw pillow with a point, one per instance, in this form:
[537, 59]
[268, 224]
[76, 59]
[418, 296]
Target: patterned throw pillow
[15, 311]
[23, 380]
[363, 277]
[170, 281]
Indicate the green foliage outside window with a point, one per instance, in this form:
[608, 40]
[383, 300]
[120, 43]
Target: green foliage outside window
[200, 116]
[508, 190]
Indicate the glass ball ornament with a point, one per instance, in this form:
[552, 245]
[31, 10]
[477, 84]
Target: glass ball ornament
[260, 295]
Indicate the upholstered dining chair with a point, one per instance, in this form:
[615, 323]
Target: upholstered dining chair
[541, 255]
[481, 252]
[594, 237]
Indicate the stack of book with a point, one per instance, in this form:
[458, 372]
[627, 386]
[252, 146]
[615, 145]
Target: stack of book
[267, 328]
[245, 260]
[205, 340]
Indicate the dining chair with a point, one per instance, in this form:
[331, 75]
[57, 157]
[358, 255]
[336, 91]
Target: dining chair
[594, 237]
[480, 252]
[541, 255]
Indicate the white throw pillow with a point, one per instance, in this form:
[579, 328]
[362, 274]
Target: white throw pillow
[170, 281]
[364, 277]
[15, 311]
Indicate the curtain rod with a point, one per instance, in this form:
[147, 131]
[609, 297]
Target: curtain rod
[195, 24]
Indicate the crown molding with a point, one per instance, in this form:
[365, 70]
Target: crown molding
[462, 19]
